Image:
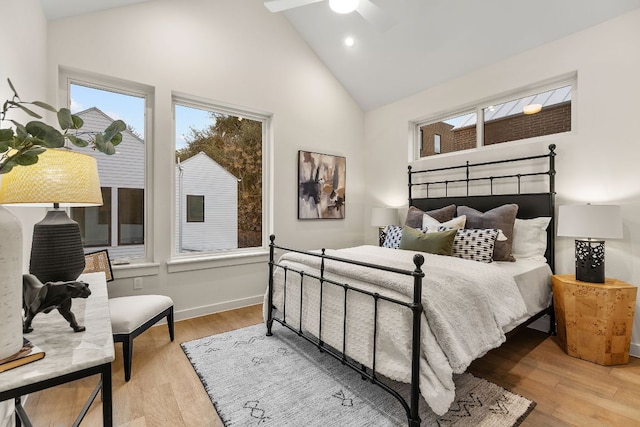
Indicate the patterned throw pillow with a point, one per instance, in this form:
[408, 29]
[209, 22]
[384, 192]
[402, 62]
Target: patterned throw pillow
[393, 234]
[475, 244]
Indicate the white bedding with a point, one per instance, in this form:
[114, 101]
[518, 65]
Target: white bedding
[464, 317]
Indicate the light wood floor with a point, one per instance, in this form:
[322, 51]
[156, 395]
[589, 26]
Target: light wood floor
[165, 391]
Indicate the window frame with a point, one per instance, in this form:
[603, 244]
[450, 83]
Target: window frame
[191, 261]
[478, 108]
[67, 77]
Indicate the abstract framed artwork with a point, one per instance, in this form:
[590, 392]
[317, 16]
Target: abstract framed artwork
[321, 186]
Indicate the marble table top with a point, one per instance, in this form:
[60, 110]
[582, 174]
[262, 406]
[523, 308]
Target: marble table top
[67, 351]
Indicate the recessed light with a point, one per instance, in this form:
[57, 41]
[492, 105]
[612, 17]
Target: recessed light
[349, 41]
[343, 6]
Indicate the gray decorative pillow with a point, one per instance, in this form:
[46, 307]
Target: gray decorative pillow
[475, 245]
[414, 215]
[393, 234]
[501, 218]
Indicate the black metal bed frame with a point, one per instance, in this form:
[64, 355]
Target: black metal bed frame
[535, 204]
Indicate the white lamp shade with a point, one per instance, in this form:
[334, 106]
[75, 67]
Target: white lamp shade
[590, 221]
[60, 176]
[381, 217]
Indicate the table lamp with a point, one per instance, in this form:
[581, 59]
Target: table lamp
[381, 217]
[592, 224]
[60, 178]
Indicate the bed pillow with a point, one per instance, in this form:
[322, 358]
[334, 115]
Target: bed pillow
[414, 215]
[530, 238]
[475, 244]
[438, 243]
[501, 218]
[393, 233]
[429, 223]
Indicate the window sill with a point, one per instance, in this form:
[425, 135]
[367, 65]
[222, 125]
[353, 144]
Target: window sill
[221, 260]
[125, 271]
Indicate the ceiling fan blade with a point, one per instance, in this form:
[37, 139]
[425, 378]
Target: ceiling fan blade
[280, 5]
[375, 15]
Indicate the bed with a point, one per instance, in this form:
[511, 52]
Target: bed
[420, 317]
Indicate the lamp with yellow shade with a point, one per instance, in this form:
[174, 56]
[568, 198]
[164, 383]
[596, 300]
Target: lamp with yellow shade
[61, 178]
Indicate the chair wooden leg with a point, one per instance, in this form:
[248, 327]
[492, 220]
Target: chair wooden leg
[127, 353]
[170, 323]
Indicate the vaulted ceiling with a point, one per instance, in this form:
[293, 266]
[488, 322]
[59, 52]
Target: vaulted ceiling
[419, 43]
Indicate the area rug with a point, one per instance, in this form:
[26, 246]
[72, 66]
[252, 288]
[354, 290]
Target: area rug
[283, 380]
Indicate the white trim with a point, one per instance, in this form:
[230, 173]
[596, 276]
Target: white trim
[634, 350]
[68, 76]
[180, 262]
[569, 79]
[237, 257]
[217, 308]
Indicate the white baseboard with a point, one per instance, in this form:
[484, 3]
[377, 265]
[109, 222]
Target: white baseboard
[216, 308]
[634, 350]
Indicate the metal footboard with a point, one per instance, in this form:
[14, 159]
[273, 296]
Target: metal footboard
[370, 374]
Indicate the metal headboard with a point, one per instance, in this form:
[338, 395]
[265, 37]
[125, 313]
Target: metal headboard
[531, 205]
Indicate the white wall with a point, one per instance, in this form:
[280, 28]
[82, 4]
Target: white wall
[24, 62]
[237, 53]
[597, 162]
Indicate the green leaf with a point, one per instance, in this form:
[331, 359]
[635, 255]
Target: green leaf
[77, 121]
[113, 129]
[117, 139]
[26, 110]
[44, 106]
[4, 146]
[64, 119]
[35, 150]
[21, 132]
[99, 142]
[25, 159]
[109, 148]
[51, 137]
[6, 134]
[7, 167]
[79, 142]
[13, 88]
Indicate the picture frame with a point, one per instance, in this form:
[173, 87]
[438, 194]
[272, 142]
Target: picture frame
[98, 262]
[321, 185]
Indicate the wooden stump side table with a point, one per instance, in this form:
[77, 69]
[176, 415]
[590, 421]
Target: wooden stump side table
[594, 320]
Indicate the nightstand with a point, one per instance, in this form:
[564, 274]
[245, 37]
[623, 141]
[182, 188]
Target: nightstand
[594, 320]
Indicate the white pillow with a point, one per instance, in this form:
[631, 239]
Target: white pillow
[429, 222]
[530, 238]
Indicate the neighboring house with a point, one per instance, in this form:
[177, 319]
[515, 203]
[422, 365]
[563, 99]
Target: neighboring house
[206, 221]
[206, 206]
[117, 225]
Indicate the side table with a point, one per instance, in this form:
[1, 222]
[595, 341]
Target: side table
[594, 320]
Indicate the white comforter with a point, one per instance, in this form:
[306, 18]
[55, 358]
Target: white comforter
[466, 306]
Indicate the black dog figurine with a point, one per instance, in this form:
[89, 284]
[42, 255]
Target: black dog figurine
[42, 298]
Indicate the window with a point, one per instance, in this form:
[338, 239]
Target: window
[118, 225]
[454, 134]
[95, 222]
[130, 216]
[195, 208]
[219, 171]
[544, 112]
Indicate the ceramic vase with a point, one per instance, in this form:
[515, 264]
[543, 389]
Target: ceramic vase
[10, 283]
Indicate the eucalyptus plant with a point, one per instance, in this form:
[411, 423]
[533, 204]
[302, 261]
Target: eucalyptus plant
[22, 146]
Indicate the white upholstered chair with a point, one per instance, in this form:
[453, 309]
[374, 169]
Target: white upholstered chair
[131, 315]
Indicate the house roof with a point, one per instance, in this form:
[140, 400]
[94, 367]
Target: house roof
[512, 108]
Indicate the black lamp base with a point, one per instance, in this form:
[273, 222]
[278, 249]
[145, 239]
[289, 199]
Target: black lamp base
[590, 261]
[56, 250]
